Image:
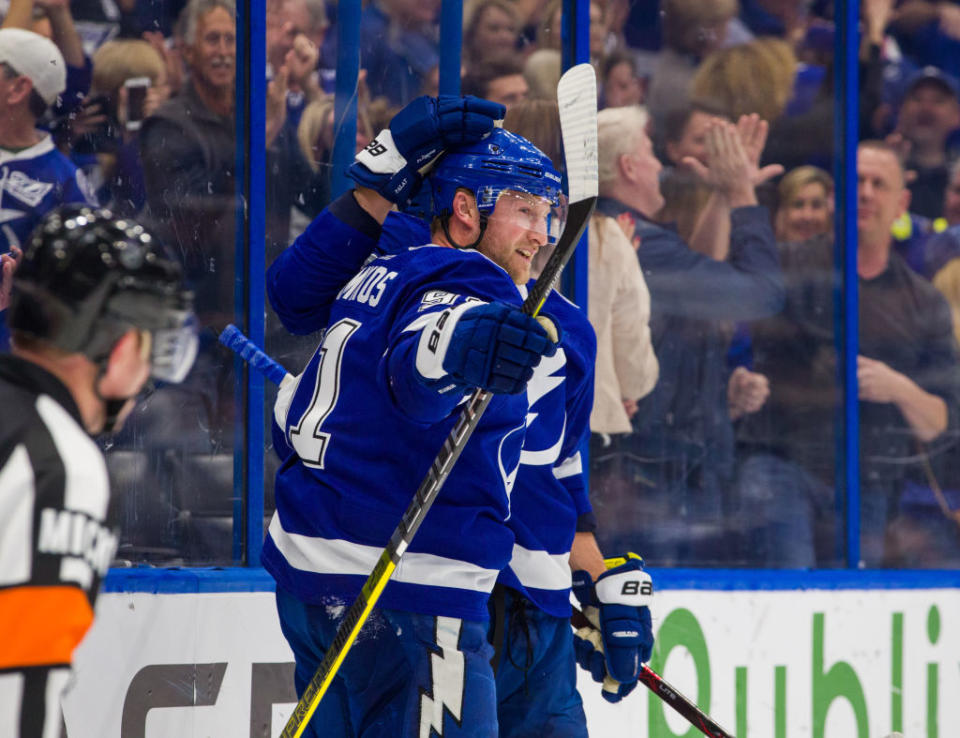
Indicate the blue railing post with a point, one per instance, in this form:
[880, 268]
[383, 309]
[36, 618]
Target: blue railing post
[845, 127]
[575, 49]
[345, 93]
[451, 46]
[250, 234]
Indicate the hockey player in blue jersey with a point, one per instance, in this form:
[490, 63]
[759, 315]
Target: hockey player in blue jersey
[404, 340]
[536, 688]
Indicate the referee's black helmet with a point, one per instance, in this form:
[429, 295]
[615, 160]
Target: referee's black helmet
[87, 277]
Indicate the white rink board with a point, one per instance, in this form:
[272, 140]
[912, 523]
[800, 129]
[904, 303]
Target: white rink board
[745, 646]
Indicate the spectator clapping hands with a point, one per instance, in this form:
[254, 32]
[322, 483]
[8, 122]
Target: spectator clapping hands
[733, 155]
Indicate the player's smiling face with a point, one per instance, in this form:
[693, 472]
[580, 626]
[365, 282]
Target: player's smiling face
[516, 230]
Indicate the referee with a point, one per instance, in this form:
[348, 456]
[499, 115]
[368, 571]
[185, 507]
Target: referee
[96, 308]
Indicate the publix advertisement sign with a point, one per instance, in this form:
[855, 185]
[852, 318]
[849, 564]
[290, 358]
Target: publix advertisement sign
[808, 664]
[830, 663]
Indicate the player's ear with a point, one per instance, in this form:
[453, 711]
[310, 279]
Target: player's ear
[464, 208]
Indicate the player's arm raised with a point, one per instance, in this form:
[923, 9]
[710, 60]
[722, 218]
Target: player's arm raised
[305, 278]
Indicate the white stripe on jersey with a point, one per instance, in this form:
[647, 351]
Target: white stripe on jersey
[11, 697]
[56, 682]
[87, 488]
[11, 702]
[569, 467]
[541, 570]
[336, 556]
[16, 520]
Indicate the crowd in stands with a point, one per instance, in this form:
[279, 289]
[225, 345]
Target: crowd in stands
[712, 259]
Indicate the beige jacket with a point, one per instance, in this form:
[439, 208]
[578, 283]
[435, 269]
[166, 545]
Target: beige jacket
[619, 310]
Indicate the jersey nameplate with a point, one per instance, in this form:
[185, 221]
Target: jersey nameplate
[368, 285]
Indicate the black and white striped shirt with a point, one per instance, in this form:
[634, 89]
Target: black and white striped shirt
[55, 543]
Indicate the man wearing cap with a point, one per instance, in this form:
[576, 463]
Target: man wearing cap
[929, 113]
[34, 176]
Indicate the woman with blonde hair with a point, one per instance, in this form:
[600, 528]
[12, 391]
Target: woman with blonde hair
[805, 207]
[315, 134]
[118, 61]
[756, 77]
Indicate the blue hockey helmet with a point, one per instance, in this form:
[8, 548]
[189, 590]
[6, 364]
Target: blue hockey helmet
[501, 161]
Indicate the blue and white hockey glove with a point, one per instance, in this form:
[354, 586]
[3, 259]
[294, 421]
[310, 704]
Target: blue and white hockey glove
[620, 636]
[395, 162]
[492, 346]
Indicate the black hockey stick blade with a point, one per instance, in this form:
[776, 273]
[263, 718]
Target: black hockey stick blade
[578, 216]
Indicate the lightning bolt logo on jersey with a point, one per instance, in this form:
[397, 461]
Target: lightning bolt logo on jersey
[550, 491]
[447, 679]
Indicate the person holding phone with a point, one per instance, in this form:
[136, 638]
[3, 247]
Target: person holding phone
[129, 84]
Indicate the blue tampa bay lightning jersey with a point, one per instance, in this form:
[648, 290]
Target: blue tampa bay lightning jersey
[550, 492]
[33, 181]
[359, 456]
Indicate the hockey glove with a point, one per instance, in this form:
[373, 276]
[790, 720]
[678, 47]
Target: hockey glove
[493, 346]
[622, 635]
[395, 162]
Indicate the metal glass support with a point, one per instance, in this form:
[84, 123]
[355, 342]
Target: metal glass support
[451, 46]
[345, 93]
[575, 49]
[846, 306]
[251, 87]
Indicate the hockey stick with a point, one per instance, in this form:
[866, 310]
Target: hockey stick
[577, 97]
[232, 338]
[660, 687]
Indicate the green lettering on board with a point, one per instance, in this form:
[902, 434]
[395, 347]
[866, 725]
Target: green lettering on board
[780, 701]
[679, 628]
[896, 673]
[839, 682]
[933, 680]
[741, 700]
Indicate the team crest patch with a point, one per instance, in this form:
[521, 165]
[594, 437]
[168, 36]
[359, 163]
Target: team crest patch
[25, 189]
[434, 298]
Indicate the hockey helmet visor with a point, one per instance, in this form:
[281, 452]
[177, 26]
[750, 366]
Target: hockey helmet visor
[530, 212]
[501, 162]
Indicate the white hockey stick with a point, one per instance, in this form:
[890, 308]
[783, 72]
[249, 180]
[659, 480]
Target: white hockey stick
[577, 97]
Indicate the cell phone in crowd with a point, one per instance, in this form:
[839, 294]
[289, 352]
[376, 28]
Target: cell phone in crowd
[136, 98]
